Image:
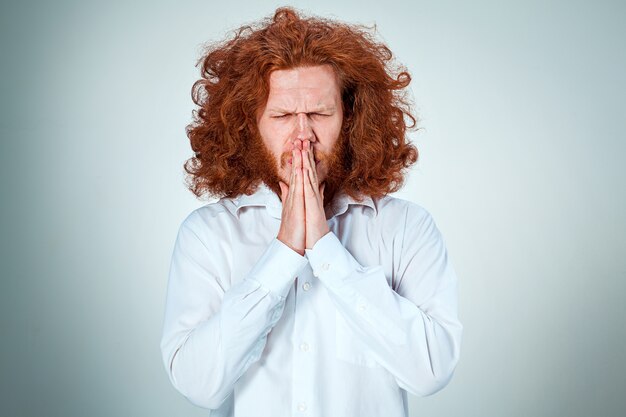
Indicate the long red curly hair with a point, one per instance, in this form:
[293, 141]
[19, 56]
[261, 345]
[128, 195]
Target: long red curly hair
[230, 158]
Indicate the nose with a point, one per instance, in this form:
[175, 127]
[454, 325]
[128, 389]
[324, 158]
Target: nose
[304, 131]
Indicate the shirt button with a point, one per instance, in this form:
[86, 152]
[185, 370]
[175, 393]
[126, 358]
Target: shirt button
[325, 267]
[306, 286]
[362, 307]
[304, 347]
[302, 407]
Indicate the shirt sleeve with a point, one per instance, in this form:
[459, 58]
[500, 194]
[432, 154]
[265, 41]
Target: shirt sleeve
[211, 335]
[413, 331]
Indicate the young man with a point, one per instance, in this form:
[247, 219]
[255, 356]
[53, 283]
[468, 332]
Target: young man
[306, 289]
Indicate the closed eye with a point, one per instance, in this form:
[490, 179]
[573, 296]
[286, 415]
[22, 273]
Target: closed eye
[282, 116]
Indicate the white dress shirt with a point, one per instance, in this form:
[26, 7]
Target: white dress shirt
[252, 328]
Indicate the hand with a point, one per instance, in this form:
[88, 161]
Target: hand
[316, 224]
[292, 226]
[303, 218]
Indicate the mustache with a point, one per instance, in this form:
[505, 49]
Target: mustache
[319, 156]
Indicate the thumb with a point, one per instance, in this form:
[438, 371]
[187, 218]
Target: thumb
[283, 190]
[322, 190]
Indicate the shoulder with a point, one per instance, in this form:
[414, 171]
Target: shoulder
[405, 220]
[410, 223]
[212, 217]
[394, 209]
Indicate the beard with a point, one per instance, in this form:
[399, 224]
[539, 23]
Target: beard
[267, 168]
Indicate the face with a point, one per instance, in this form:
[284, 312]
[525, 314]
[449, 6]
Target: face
[304, 103]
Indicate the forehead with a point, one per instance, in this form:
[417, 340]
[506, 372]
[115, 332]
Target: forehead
[304, 84]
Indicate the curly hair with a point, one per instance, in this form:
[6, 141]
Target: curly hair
[230, 159]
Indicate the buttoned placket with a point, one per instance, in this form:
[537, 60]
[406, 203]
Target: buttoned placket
[304, 346]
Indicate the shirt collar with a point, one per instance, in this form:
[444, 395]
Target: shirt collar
[264, 196]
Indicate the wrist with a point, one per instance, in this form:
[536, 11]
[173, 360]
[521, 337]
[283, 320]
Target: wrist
[289, 245]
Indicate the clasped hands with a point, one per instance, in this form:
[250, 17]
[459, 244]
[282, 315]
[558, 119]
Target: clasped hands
[303, 220]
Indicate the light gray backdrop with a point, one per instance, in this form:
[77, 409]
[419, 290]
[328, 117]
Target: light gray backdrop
[521, 165]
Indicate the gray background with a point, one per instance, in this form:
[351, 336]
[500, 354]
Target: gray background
[522, 105]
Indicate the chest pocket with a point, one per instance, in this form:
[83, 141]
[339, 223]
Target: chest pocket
[348, 347]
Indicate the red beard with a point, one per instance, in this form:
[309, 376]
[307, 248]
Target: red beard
[265, 166]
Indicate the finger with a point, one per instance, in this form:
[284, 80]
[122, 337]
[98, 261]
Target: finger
[313, 188]
[299, 174]
[307, 146]
[306, 164]
[311, 158]
[283, 191]
[299, 186]
[310, 187]
[306, 150]
[292, 178]
[313, 183]
[297, 161]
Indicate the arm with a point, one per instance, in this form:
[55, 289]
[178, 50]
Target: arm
[414, 333]
[211, 336]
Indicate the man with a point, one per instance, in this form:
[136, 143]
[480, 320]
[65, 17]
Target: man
[306, 289]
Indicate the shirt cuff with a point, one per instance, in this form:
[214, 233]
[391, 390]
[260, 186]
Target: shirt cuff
[330, 260]
[278, 267]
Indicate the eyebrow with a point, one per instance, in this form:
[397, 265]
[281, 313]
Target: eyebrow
[318, 109]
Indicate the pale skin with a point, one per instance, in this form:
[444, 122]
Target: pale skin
[303, 220]
[302, 117]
